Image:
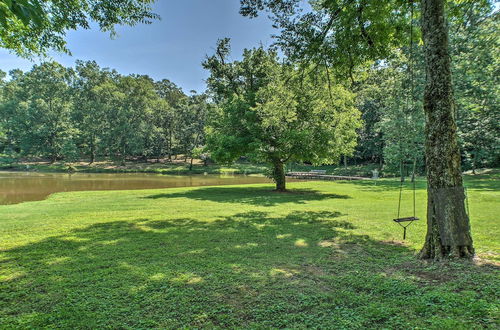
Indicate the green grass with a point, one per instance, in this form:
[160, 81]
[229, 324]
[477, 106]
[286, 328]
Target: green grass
[364, 170]
[325, 255]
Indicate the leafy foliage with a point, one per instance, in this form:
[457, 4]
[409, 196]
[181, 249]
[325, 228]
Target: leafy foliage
[32, 27]
[62, 113]
[277, 113]
[38, 111]
[476, 72]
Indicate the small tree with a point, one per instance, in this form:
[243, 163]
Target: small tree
[276, 113]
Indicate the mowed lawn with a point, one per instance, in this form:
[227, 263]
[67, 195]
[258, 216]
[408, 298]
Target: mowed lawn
[326, 254]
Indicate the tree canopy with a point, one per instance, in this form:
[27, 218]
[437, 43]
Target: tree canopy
[32, 27]
[73, 113]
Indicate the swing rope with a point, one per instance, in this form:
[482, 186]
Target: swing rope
[409, 103]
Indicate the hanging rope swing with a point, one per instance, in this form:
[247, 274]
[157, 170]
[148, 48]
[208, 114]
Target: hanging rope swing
[405, 222]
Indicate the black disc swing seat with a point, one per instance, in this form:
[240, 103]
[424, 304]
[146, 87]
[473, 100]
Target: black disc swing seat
[406, 221]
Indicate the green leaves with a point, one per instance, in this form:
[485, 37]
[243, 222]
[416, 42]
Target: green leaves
[64, 113]
[25, 10]
[37, 111]
[33, 27]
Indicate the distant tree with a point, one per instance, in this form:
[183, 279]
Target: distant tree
[192, 115]
[96, 112]
[88, 108]
[4, 141]
[371, 100]
[39, 110]
[389, 97]
[161, 130]
[33, 27]
[402, 121]
[130, 100]
[275, 113]
[475, 49]
[168, 118]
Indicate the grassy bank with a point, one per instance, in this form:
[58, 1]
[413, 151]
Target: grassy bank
[325, 255]
[177, 167]
[107, 166]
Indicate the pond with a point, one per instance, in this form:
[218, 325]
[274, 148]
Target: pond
[17, 187]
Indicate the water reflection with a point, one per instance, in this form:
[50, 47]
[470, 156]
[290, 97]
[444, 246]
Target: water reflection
[16, 187]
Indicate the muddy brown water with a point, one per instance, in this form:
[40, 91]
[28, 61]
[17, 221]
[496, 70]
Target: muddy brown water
[17, 187]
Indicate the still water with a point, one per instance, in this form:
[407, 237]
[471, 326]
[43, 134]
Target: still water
[17, 187]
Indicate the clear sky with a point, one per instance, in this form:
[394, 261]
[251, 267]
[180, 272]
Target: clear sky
[171, 48]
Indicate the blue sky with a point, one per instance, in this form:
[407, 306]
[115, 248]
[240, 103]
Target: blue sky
[172, 48]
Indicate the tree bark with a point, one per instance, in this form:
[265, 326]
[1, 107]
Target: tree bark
[448, 227]
[92, 156]
[279, 175]
[92, 150]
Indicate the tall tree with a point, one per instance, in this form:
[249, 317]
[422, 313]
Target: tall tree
[168, 121]
[350, 32]
[476, 71]
[130, 102]
[4, 141]
[402, 118]
[88, 115]
[448, 228]
[39, 110]
[277, 113]
[192, 115]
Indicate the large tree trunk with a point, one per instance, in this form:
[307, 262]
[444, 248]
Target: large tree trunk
[279, 175]
[448, 228]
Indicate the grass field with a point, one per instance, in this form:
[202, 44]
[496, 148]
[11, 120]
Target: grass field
[326, 254]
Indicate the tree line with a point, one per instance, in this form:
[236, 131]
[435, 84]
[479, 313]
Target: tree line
[87, 111]
[61, 113]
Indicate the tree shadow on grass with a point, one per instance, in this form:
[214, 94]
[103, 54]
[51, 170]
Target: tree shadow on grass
[261, 196]
[488, 182]
[252, 269]
[479, 182]
[386, 184]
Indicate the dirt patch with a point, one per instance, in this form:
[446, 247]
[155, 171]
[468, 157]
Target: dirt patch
[394, 243]
[315, 270]
[433, 276]
[486, 259]
[424, 272]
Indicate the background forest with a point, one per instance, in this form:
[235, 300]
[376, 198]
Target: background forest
[87, 112]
